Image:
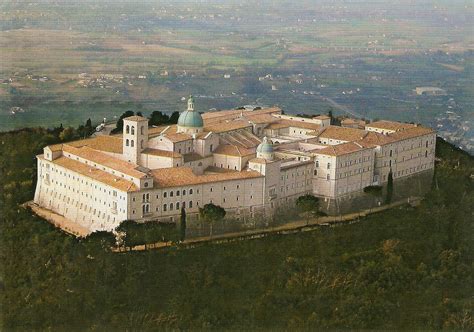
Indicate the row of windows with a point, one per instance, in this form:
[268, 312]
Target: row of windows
[92, 221]
[131, 130]
[177, 206]
[294, 185]
[131, 143]
[178, 192]
[228, 166]
[298, 173]
[60, 184]
[81, 205]
[420, 143]
[184, 192]
[347, 163]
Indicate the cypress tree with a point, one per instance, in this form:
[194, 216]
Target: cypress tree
[182, 227]
[388, 198]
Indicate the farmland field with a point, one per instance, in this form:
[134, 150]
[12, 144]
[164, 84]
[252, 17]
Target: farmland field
[63, 62]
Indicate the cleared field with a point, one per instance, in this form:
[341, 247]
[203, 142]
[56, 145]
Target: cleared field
[153, 55]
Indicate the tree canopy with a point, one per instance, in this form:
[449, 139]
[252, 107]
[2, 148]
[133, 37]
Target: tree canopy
[307, 203]
[211, 213]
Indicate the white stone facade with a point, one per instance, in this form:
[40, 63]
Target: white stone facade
[152, 173]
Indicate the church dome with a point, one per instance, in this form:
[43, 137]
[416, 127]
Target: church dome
[265, 147]
[190, 118]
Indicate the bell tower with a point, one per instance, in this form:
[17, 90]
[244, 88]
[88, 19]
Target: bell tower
[135, 138]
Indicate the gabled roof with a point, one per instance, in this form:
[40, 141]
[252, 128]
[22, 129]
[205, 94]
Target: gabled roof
[96, 174]
[374, 139]
[233, 150]
[161, 153]
[184, 176]
[136, 118]
[228, 125]
[390, 125]
[342, 133]
[261, 118]
[102, 159]
[177, 137]
[341, 149]
[322, 117]
[113, 144]
[411, 132]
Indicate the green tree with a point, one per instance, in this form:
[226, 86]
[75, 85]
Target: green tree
[157, 118]
[182, 226]
[331, 115]
[174, 117]
[119, 126]
[100, 240]
[307, 204]
[67, 134]
[211, 213]
[129, 233]
[388, 198]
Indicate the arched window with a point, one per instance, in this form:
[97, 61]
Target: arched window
[171, 206]
[133, 130]
[127, 129]
[142, 130]
[184, 192]
[141, 144]
[200, 164]
[127, 142]
[132, 143]
[177, 206]
[190, 191]
[210, 148]
[165, 207]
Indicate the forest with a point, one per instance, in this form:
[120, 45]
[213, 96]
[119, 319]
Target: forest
[406, 268]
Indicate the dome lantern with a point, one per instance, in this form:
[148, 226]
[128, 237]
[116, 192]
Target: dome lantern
[265, 149]
[190, 121]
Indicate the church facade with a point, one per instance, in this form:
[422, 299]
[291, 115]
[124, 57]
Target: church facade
[250, 162]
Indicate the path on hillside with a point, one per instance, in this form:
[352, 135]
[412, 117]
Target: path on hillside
[288, 228]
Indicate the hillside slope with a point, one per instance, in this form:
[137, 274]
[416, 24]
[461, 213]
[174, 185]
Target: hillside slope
[408, 268]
